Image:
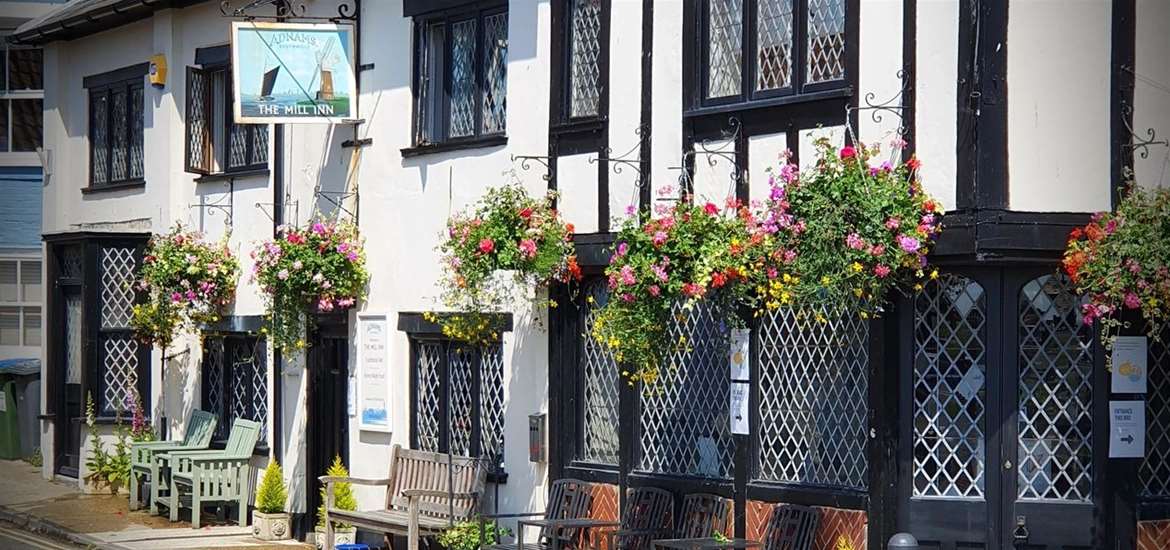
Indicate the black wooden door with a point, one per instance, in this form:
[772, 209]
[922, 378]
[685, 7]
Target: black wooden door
[69, 361]
[1000, 393]
[328, 419]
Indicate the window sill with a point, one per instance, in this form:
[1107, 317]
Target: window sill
[114, 187]
[458, 145]
[582, 125]
[224, 176]
[810, 97]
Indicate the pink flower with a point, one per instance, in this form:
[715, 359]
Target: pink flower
[486, 246]
[665, 190]
[898, 143]
[352, 256]
[881, 271]
[176, 297]
[660, 272]
[848, 152]
[789, 256]
[345, 302]
[789, 173]
[282, 274]
[893, 223]
[693, 290]
[877, 250]
[1133, 266]
[1132, 301]
[772, 273]
[527, 248]
[654, 290]
[325, 304]
[710, 208]
[631, 210]
[295, 238]
[627, 297]
[627, 275]
[908, 243]
[854, 241]
[1110, 227]
[622, 249]
[659, 238]
[319, 228]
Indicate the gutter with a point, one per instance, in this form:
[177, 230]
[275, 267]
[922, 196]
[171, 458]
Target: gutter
[98, 21]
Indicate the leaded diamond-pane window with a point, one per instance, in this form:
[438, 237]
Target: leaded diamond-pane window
[683, 419]
[1155, 469]
[813, 398]
[458, 403]
[235, 380]
[584, 58]
[725, 47]
[599, 394]
[950, 395]
[120, 357]
[461, 76]
[761, 49]
[116, 132]
[1055, 397]
[215, 143]
[826, 40]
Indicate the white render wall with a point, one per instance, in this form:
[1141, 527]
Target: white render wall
[1151, 93]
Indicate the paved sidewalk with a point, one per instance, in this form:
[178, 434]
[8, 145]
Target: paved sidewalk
[103, 521]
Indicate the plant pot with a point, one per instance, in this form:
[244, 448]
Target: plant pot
[346, 535]
[270, 526]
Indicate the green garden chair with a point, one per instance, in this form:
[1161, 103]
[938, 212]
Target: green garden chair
[200, 428]
[223, 476]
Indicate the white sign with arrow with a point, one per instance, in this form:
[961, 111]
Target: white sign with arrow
[1127, 429]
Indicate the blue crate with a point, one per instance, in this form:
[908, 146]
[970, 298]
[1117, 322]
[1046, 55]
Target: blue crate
[352, 547]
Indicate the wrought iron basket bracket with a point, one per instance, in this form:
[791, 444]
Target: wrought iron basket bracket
[526, 161]
[631, 159]
[288, 10]
[269, 209]
[722, 148]
[338, 199]
[224, 205]
[1137, 143]
[878, 110]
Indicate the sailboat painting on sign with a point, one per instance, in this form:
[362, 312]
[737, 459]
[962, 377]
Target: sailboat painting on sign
[293, 73]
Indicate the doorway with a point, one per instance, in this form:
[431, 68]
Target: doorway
[327, 433]
[1002, 400]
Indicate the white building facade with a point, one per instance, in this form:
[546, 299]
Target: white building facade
[1026, 115]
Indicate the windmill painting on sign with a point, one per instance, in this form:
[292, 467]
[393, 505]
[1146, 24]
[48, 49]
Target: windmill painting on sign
[292, 72]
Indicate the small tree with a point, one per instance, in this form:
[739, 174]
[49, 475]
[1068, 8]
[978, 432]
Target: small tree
[271, 497]
[343, 498]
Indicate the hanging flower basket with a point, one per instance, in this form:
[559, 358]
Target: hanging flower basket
[847, 231]
[837, 237]
[1121, 262]
[187, 282]
[506, 231]
[319, 269]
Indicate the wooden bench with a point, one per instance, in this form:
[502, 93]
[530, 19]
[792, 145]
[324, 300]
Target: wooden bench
[200, 428]
[212, 477]
[426, 493]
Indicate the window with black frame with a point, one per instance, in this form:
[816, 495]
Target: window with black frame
[235, 381]
[460, 79]
[123, 362]
[599, 384]
[585, 48]
[215, 144]
[758, 50]
[116, 131]
[458, 398]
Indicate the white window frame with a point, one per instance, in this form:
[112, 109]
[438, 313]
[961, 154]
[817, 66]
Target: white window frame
[23, 303]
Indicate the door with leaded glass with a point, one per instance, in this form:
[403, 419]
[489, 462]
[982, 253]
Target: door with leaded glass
[1001, 391]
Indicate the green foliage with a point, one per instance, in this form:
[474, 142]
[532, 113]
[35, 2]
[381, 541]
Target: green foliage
[507, 230]
[466, 535]
[343, 498]
[104, 467]
[271, 496]
[187, 282]
[35, 459]
[318, 269]
[1121, 260]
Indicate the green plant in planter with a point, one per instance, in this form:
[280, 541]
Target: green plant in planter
[271, 496]
[343, 498]
[104, 467]
[466, 535]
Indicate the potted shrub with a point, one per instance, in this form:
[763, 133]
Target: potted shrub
[343, 499]
[269, 520]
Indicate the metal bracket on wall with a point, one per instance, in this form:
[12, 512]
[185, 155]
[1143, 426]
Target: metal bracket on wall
[879, 109]
[286, 10]
[337, 199]
[224, 205]
[269, 209]
[527, 160]
[1138, 144]
[713, 149]
[630, 159]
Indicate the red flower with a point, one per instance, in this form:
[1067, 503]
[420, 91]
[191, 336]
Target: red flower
[486, 246]
[848, 152]
[710, 208]
[913, 163]
[929, 205]
[569, 229]
[526, 213]
[574, 269]
[1094, 232]
[1076, 234]
[718, 280]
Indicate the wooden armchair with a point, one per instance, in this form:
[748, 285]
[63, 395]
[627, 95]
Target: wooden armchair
[206, 477]
[791, 527]
[703, 514]
[648, 515]
[560, 523]
[200, 428]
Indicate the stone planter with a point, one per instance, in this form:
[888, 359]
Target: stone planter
[270, 526]
[347, 535]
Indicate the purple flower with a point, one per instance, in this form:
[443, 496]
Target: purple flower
[908, 243]
[622, 248]
[319, 228]
[631, 210]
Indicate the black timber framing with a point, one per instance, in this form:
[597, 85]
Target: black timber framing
[982, 141]
[1122, 64]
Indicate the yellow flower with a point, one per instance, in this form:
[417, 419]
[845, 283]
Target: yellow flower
[821, 319]
[934, 274]
[589, 299]
[825, 280]
[858, 292]
[787, 278]
[552, 304]
[918, 287]
[864, 315]
[857, 267]
[919, 274]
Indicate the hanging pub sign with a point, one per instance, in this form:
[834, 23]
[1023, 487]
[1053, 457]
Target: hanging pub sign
[286, 73]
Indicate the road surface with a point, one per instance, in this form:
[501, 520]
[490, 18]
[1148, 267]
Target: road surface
[15, 539]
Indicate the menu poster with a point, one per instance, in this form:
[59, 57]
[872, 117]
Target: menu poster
[373, 371]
